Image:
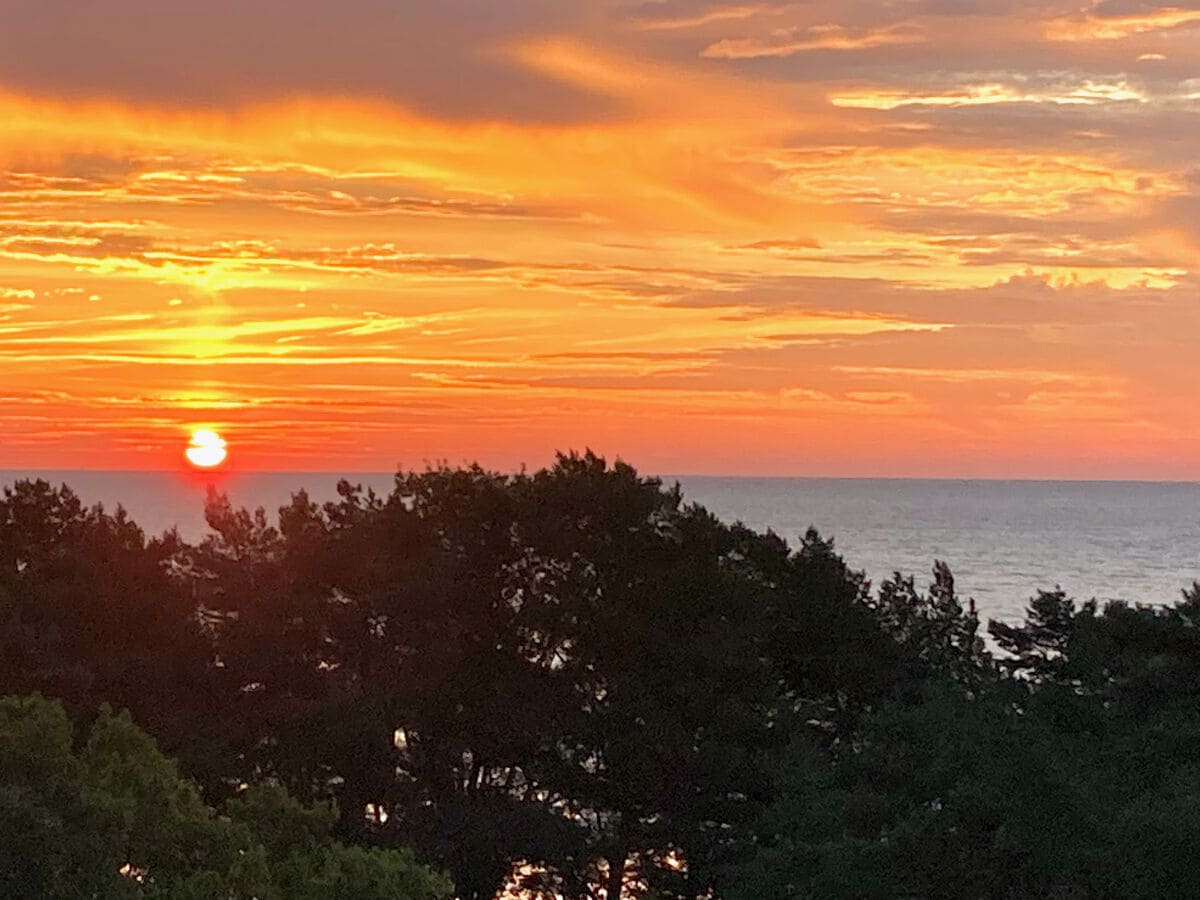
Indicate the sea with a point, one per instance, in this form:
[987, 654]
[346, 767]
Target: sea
[1003, 540]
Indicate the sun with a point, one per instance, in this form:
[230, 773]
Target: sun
[207, 449]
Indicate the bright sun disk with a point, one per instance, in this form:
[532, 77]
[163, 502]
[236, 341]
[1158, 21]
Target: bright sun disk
[207, 449]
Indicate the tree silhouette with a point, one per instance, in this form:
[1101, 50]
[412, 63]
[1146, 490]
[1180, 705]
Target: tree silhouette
[91, 611]
[573, 680]
[115, 820]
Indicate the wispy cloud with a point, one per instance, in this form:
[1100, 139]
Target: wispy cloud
[1111, 22]
[790, 41]
[669, 16]
[495, 229]
[1087, 93]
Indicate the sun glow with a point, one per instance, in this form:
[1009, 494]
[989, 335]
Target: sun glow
[207, 449]
[610, 219]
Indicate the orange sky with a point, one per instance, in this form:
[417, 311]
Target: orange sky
[930, 237]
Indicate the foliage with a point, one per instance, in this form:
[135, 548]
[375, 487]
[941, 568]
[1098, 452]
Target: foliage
[115, 820]
[1073, 775]
[91, 612]
[574, 680]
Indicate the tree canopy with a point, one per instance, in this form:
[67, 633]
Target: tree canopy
[113, 818]
[575, 681]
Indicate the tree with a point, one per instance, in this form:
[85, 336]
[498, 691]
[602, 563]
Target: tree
[115, 820]
[1068, 770]
[91, 611]
[570, 672]
[572, 679]
[1142, 657]
[936, 633]
[655, 614]
[565, 671]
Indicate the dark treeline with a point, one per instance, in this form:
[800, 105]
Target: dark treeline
[574, 680]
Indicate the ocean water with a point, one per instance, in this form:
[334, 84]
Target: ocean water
[1004, 540]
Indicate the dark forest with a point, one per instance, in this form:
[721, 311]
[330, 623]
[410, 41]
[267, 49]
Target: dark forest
[572, 683]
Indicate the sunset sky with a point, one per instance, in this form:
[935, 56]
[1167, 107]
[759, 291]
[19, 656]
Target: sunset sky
[901, 237]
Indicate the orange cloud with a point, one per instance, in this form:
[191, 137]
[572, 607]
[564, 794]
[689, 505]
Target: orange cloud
[793, 251]
[1090, 27]
[789, 41]
[668, 19]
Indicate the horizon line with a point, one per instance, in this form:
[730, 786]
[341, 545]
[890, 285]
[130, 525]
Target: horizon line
[662, 476]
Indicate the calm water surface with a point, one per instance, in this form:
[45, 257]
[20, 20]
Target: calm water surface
[1137, 541]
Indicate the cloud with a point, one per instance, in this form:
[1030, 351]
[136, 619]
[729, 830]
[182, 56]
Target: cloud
[790, 41]
[672, 14]
[1087, 93]
[937, 225]
[1118, 21]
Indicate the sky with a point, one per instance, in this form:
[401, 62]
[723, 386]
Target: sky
[896, 238]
